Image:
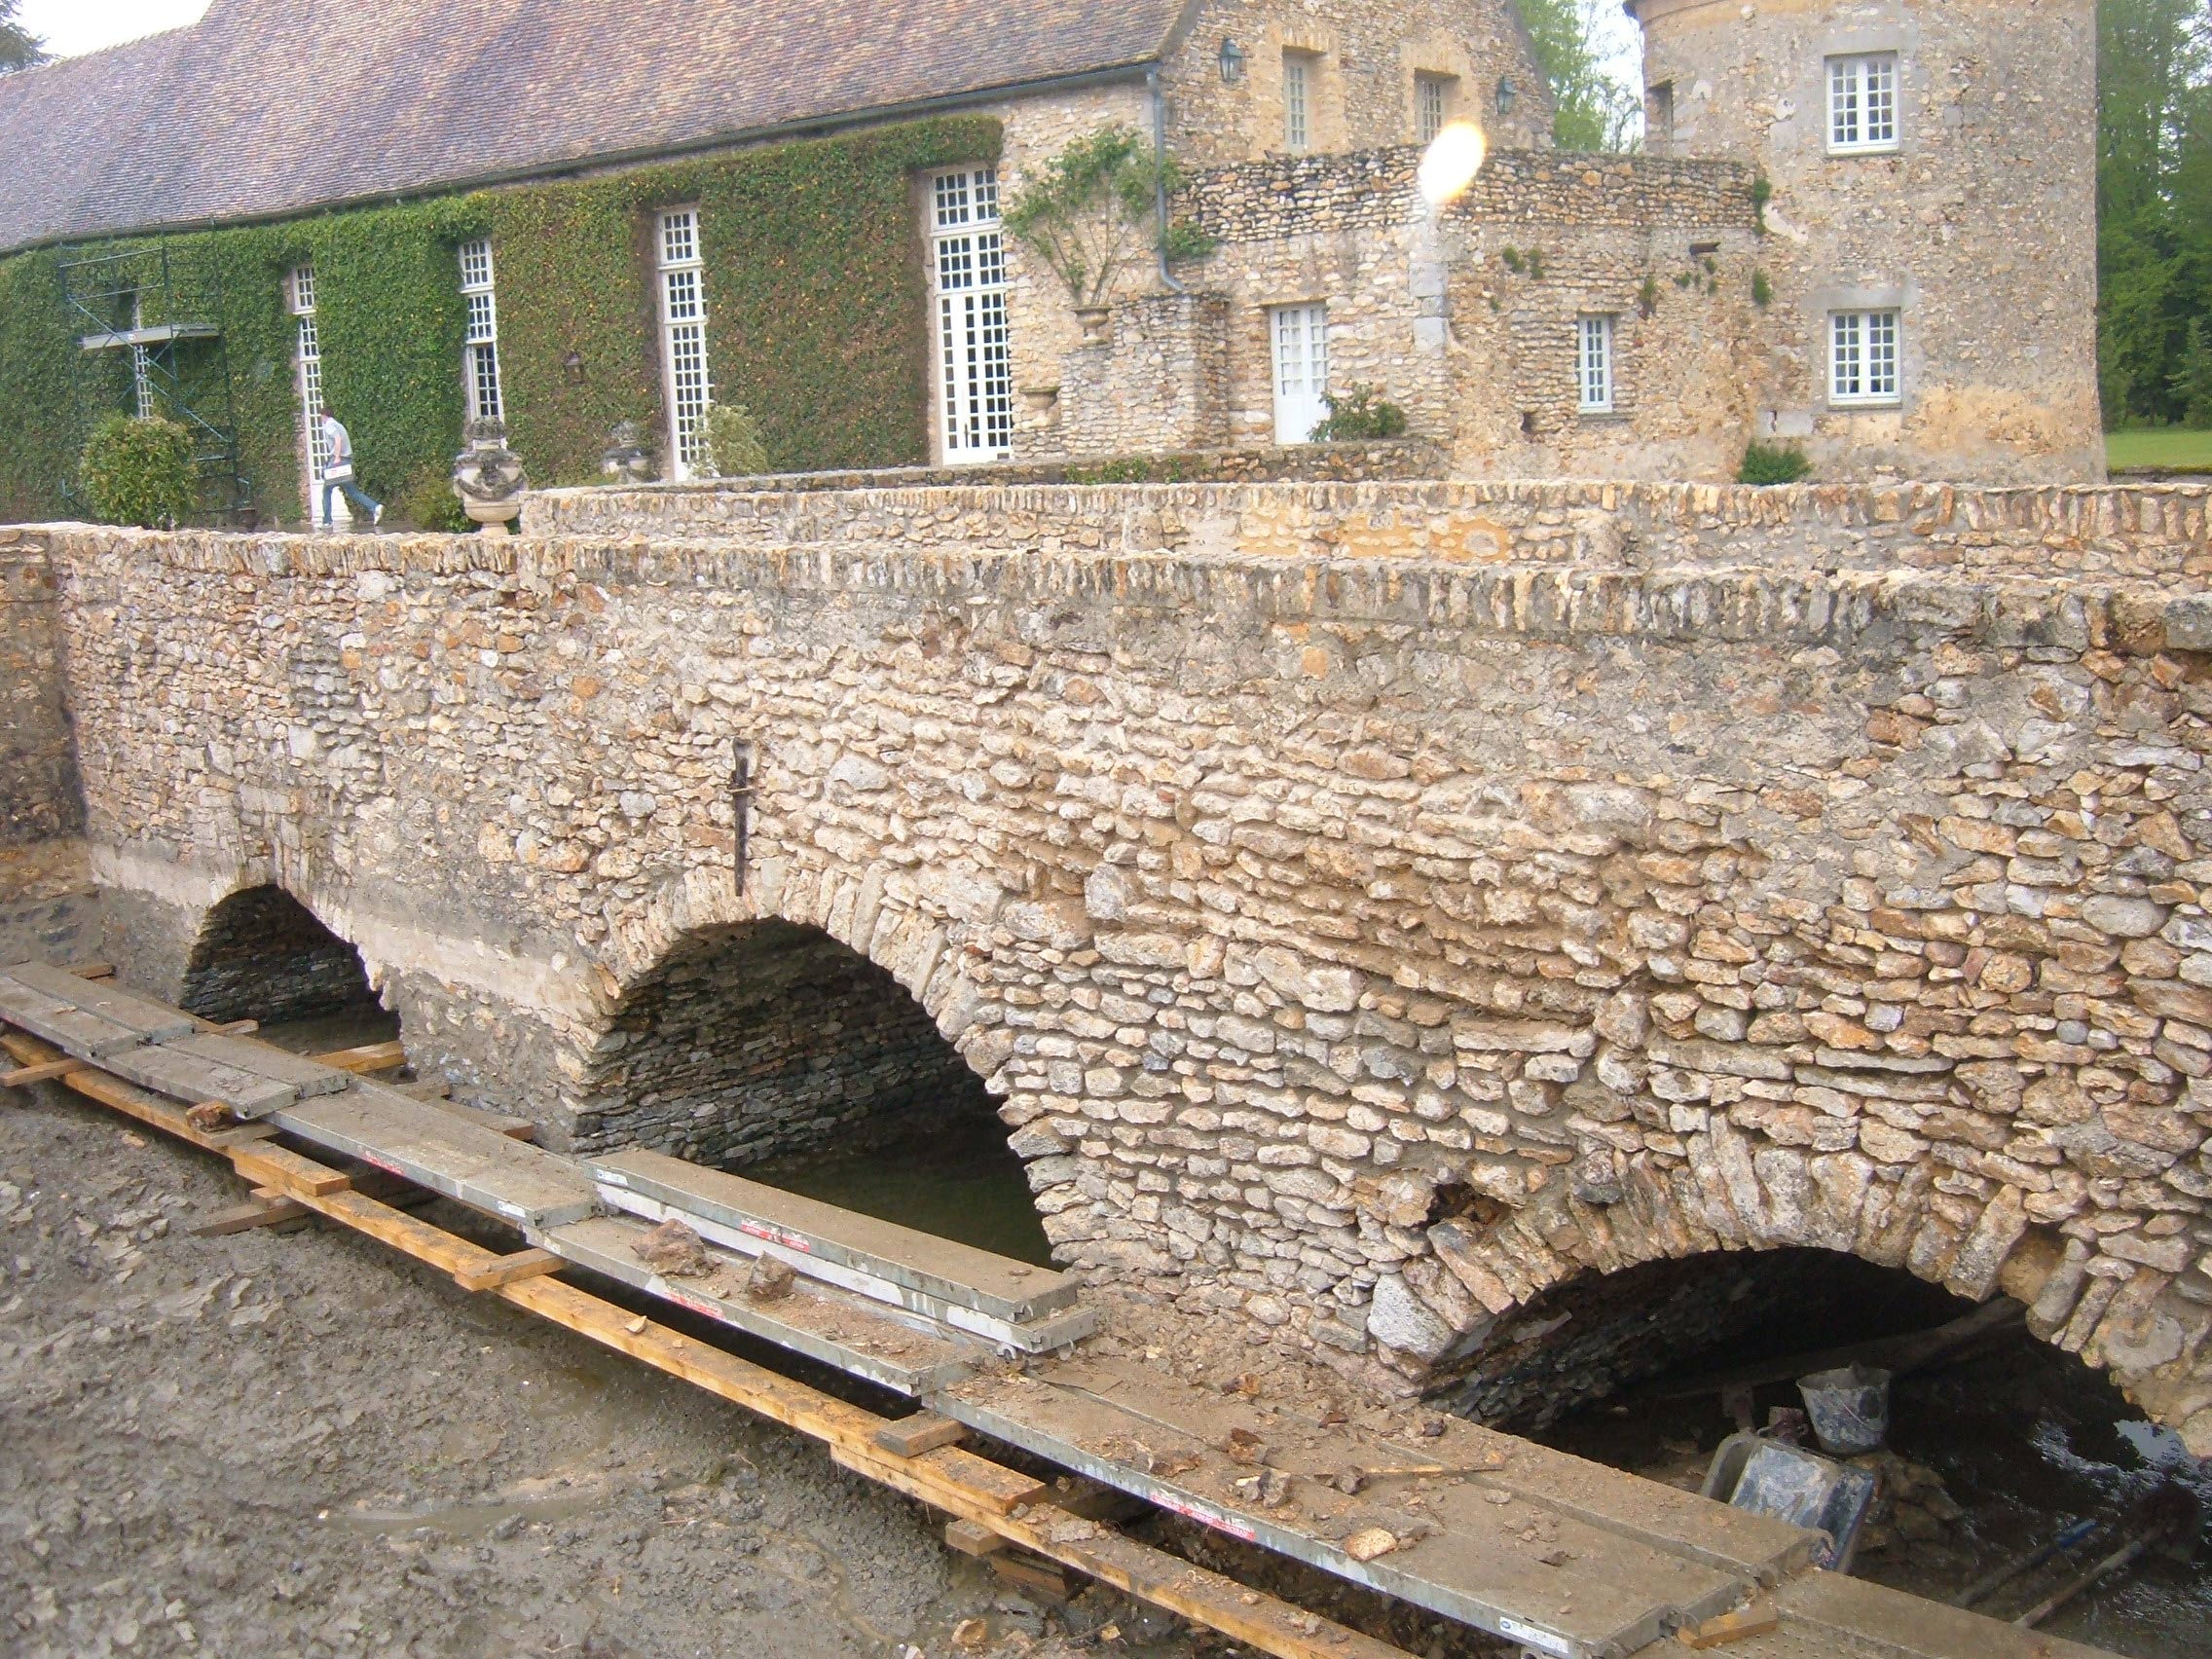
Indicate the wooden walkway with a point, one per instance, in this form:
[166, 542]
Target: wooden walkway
[1561, 1555]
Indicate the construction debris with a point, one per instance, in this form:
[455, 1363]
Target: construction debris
[674, 1251]
[770, 1280]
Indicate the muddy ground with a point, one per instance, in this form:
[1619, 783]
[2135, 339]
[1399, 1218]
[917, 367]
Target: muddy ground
[304, 1444]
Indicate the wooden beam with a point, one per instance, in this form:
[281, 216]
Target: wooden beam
[365, 1058]
[264, 1209]
[90, 970]
[924, 1432]
[294, 1176]
[509, 1269]
[237, 1028]
[969, 1538]
[22, 1077]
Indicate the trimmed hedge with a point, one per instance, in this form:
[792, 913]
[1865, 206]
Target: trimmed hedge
[817, 321]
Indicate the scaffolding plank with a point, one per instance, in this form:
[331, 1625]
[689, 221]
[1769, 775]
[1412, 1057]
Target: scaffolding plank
[447, 1153]
[304, 1075]
[921, 1262]
[150, 1019]
[862, 1338]
[1048, 1334]
[88, 1036]
[190, 1077]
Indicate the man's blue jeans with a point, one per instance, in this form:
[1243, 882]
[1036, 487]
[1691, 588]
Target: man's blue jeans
[363, 507]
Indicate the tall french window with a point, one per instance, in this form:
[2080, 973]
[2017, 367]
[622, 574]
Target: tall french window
[308, 376]
[1862, 103]
[1297, 102]
[975, 381]
[1594, 366]
[141, 363]
[480, 356]
[1302, 370]
[683, 328]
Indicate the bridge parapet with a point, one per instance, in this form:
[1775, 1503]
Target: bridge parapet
[1366, 945]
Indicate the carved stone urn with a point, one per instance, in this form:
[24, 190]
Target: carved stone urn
[629, 458]
[1097, 324]
[488, 476]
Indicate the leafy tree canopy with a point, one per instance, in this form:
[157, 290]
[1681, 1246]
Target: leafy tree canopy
[20, 49]
[1574, 40]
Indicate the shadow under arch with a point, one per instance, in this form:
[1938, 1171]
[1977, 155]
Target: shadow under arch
[771, 1048]
[263, 955]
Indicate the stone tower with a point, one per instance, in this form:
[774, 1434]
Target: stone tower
[1930, 265]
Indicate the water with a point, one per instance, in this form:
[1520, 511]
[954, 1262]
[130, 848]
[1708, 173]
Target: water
[960, 1182]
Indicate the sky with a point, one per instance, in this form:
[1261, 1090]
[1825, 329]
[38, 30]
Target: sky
[71, 26]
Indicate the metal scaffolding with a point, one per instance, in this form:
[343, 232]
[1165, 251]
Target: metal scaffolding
[148, 320]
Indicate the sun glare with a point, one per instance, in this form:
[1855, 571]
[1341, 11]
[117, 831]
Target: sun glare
[1453, 159]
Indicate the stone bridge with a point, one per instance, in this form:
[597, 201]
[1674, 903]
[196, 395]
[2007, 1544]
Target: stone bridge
[1372, 909]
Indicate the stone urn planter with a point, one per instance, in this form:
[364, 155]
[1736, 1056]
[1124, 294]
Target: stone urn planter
[1096, 321]
[628, 458]
[488, 476]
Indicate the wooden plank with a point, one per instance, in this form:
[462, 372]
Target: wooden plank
[304, 1076]
[92, 970]
[1737, 1626]
[936, 1267]
[153, 1021]
[143, 1104]
[22, 1077]
[971, 1538]
[365, 1058]
[509, 1269]
[287, 1172]
[233, 1028]
[264, 1209]
[1040, 1577]
[189, 1077]
[69, 1027]
[499, 1123]
[924, 1432]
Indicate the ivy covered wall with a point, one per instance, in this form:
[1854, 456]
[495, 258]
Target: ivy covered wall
[816, 297]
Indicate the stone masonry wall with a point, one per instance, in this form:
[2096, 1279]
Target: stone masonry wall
[1160, 383]
[759, 1040]
[261, 955]
[39, 796]
[1702, 869]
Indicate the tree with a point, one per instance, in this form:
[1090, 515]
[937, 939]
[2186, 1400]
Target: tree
[2154, 201]
[1090, 211]
[20, 49]
[1574, 40]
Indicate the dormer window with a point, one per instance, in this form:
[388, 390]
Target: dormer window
[1862, 103]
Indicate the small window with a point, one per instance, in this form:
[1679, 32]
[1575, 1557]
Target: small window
[1862, 357]
[1862, 103]
[1659, 118]
[1594, 366]
[480, 355]
[1297, 102]
[1433, 102]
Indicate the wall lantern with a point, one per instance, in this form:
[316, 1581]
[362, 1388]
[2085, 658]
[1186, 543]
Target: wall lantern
[1505, 94]
[573, 365]
[1231, 61]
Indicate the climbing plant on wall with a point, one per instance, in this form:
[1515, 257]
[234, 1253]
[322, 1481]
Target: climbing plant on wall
[816, 292]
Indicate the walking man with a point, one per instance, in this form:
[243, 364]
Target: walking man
[338, 471]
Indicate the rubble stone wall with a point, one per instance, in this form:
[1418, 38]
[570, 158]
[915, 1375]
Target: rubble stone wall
[39, 797]
[1837, 881]
[261, 955]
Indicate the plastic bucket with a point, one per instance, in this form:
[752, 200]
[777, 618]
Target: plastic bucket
[1849, 1408]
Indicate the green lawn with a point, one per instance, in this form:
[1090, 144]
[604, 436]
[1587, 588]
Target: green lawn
[2159, 446]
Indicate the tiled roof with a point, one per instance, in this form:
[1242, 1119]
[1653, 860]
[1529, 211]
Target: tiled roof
[268, 107]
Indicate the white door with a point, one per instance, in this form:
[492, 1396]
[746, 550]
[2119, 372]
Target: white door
[1302, 371]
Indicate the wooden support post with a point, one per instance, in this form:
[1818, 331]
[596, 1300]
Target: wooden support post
[924, 1432]
[366, 1057]
[266, 1208]
[509, 1269]
[22, 1077]
[969, 1539]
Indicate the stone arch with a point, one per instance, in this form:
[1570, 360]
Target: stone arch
[1492, 1267]
[813, 1013]
[260, 953]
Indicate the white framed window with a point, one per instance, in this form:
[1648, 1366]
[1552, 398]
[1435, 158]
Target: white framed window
[480, 355]
[1594, 364]
[141, 363]
[1862, 103]
[307, 369]
[1862, 357]
[1432, 97]
[1301, 348]
[1297, 102]
[974, 357]
[684, 339]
